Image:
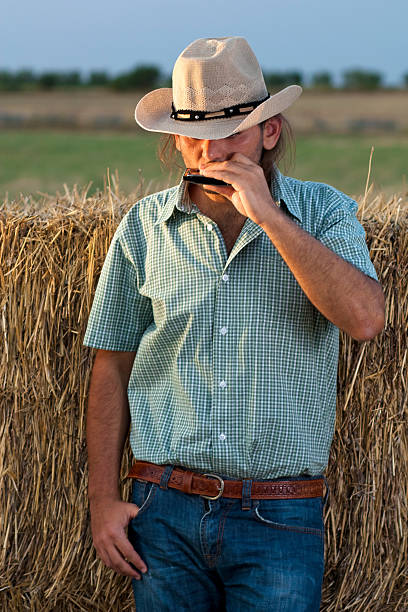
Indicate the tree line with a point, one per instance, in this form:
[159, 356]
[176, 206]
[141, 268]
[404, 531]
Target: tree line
[147, 76]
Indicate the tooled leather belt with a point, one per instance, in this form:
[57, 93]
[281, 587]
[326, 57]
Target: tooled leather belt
[213, 486]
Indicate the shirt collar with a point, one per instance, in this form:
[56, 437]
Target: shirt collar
[281, 189]
[180, 199]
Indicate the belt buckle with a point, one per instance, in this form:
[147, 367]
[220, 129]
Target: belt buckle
[220, 490]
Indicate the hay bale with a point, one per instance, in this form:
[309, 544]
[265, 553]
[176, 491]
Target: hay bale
[51, 255]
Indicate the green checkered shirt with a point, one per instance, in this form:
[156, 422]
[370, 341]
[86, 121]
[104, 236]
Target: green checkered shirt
[235, 370]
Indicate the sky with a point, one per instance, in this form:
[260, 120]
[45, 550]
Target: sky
[305, 35]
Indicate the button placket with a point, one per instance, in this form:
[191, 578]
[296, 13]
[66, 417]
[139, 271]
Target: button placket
[215, 237]
[221, 346]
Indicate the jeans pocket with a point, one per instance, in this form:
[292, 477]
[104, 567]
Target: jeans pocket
[295, 517]
[143, 493]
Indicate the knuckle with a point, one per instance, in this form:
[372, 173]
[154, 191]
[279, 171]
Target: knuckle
[103, 541]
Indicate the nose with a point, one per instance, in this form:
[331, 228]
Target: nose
[213, 150]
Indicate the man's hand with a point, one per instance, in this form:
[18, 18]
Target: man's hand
[342, 293]
[109, 520]
[249, 191]
[107, 426]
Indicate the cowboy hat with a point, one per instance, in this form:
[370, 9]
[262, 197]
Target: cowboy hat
[218, 90]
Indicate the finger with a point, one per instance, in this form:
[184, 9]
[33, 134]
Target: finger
[121, 565]
[104, 557]
[111, 562]
[237, 158]
[133, 511]
[227, 174]
[229, 165]
[240, 178]
[128, 552]
[243, 159]
[216, 166]
[221, 166]
[117, 553]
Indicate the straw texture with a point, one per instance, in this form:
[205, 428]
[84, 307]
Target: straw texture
[51, 254]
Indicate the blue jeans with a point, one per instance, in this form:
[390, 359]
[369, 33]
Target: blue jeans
[210, 556]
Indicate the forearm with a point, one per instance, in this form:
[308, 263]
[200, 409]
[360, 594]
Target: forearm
[342, 293]
[107, 427]
[108, 422]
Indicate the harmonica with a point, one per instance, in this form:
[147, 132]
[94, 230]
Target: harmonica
[193, 176]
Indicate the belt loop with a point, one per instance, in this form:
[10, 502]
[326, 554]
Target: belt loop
[165, 477]
[187, 481]
[326, 495]
[246, 494]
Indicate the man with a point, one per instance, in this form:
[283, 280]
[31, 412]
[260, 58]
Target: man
[216, 318]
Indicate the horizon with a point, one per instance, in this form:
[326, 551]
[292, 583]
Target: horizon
[307, 78]
[308, 37]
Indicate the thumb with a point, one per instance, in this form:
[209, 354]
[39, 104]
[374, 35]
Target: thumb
[132, 510]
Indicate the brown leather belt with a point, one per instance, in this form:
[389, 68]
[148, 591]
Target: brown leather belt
[213, 486]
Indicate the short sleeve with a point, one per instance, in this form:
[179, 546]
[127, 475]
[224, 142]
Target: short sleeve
[119, 314]
[342, 233]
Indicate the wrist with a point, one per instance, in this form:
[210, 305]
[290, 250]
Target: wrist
[269, 215]
[103, 497]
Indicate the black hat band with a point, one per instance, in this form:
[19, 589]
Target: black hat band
[231, 111]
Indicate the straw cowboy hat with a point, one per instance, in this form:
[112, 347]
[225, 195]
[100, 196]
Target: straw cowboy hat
[218, 89]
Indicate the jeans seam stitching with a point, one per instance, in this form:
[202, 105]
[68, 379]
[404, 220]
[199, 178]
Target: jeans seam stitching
[148, 500]
[221, 529]
[294, 528]
[203, 539]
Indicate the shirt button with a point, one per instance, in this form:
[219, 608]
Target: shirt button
[223, 384]
[209, 227]
[225, 277]
[223, 331]
[222, 437]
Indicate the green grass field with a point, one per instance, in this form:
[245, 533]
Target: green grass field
[43, 160]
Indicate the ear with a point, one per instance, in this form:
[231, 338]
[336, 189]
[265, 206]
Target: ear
[177, 141]
[271, 132]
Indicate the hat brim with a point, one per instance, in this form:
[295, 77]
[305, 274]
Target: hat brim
[153, 114]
